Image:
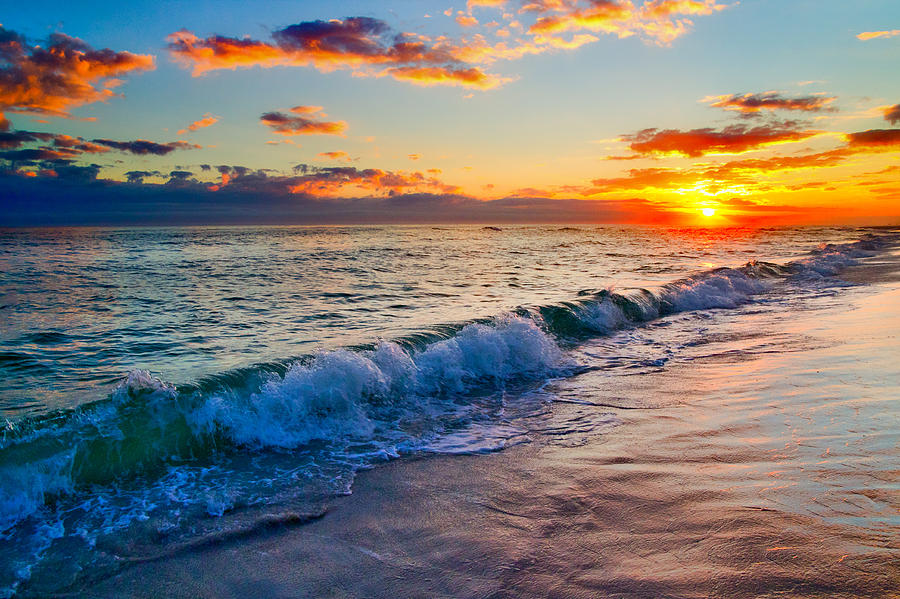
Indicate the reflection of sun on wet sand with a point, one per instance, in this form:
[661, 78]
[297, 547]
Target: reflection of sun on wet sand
[766, 472]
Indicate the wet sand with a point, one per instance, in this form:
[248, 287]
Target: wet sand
[761, 474]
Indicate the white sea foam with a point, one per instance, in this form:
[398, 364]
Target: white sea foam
[337, 395]
[724, 288]
[603, 316]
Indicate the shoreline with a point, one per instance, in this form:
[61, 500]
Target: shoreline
[720, 493]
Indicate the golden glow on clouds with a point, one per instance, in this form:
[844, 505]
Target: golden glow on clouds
[775, 156]
[871, 35]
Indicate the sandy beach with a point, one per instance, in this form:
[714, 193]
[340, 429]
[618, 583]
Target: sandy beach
[768, 476]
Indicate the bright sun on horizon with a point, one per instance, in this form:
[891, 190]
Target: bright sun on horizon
[709, 211]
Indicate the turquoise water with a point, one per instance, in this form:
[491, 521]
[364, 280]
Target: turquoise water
[162, 386]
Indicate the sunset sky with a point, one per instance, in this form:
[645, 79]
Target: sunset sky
[760, 112]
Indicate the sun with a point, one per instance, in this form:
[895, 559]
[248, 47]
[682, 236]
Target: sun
[709, 211]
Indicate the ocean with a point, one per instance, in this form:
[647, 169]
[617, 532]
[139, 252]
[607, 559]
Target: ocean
[167, 390]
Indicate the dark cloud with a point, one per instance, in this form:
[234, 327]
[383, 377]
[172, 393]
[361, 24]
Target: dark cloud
[305, 123]
[16, 139]
[52, 201]
[67, 147]
[65, 72]
[138, 176]
[238, 171]
[352, 37]
[892, 114]
[874, 138]
[34, 155]
[182, 178]
[62, 144]
[75, 173]
[142, 147]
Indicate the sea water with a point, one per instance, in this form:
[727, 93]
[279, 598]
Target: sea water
[167, 388]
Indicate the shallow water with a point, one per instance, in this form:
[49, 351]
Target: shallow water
[759, 461]
[284, 360]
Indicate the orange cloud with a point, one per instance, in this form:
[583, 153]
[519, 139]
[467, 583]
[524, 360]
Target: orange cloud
[543, 6]
[64, 74]
[78, 145]
[602, 15]
[219, 52]
[364, 45]
[657, 20]
[660, 178]
[777, 163]
[892, 114]
[206, 121]
[755, 103]
[284, 124]
[870, 35]
[734, 139]
[425, 76]
[712, 179]
[336, 155]
[307, 109]
[659, 9]
[745, 175]
[464, 20]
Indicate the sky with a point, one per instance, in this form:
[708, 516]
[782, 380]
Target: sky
[676, 112]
